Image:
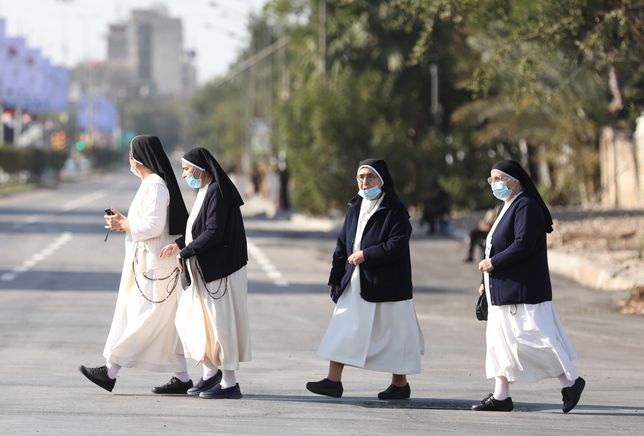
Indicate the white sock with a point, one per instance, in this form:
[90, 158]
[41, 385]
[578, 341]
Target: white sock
[501, 388]
[565, 383]
[209, 369]
[183, 376]
[228, 379]
[112, 369]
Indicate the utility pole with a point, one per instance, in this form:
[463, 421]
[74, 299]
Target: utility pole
[322, 36]
[435, 108]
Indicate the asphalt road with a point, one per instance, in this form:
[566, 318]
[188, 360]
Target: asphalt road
[58, 283]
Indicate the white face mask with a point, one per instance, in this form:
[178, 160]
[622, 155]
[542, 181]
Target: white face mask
[370, 193]
[135, 172]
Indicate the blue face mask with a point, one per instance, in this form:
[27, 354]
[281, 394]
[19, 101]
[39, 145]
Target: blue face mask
[371, 193]
[193, 182]
[500, 190]
[135, 172]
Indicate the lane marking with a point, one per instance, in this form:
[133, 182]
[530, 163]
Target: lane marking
[37, 258]
[266, 265]
[66, 207]
[81, 201]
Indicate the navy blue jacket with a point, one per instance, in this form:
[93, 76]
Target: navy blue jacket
[519, 256]
[219, 238]
[385, 275]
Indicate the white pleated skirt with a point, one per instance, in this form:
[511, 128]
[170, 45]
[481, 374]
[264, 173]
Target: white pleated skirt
[215, 329]
[384, 337]
[526, 343]
[143, 334]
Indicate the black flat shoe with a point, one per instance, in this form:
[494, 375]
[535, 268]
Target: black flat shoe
[570, 396]
[326, 387]
[173, 387]
[98, 376]
[394, 392]
[217, 392]
[490, 404]
[204, 385]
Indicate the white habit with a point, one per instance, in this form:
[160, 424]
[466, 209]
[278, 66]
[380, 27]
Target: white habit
[381, 337]
[143, 334]
[525, 342]
[214, 328]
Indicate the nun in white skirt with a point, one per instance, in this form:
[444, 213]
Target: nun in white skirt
[525, 340]
[212, 317]
[143, 334]
[374, 324]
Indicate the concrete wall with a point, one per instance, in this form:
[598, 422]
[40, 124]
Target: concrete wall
[622, 167]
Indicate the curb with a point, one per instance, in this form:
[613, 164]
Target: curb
[586, 272]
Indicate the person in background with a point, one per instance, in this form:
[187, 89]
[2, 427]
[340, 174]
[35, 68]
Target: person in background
[436, 208]
[478, 234]
[212, 318]
[525, 340]
[374, 324]
[143, 334]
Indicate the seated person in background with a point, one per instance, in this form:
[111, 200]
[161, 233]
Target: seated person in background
[479, 233]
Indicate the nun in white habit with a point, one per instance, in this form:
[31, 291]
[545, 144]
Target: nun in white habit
[143, 334]
[525, 340]
[374, 324]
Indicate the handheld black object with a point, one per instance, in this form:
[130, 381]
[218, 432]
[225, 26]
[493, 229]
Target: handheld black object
[108, 212]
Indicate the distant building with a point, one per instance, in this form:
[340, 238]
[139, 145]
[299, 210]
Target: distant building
[146, 55]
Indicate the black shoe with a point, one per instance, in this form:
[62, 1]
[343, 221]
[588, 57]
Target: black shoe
[204, 385]
[173, 387]
[468, 260]
[98, 376]
[490, 404]
[570, 396]
[487, 398]
[218, 392]
[326, 387]
[394, 392]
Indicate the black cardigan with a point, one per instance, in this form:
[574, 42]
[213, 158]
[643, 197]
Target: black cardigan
[385, 274]
[519, 256]
[219, 238]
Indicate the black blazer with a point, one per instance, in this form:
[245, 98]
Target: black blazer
[219, 238]
[385, 275]
[519, 256]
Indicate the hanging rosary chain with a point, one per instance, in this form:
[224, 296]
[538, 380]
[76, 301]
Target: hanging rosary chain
[170, 287]
[213, 295]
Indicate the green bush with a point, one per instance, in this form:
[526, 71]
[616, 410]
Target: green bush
[35, 161]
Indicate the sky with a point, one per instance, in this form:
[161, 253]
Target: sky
[70, 31]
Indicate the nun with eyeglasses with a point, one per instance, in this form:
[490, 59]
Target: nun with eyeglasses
[525, 340]
[212, 317]
[374, 324]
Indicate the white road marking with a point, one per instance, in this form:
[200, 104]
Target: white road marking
[37, 258]
[266, 265]
[70, 205]
[81, 201]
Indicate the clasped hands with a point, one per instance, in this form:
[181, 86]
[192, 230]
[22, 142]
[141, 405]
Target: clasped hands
[356, 258]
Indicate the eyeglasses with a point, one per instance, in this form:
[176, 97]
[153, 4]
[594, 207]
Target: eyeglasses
[366, 177]
[491, 180]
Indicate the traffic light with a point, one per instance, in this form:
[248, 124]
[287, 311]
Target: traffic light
[80, 145]
[58, 140]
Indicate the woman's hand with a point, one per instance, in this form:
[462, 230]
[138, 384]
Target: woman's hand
[481, 289]
[169, 250]
[486, 266]
[356, 258]
[116, 222]
[179, 263]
